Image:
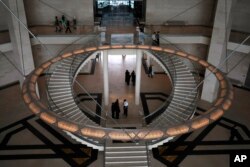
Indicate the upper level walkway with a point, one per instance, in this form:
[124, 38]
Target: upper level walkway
[236, 37]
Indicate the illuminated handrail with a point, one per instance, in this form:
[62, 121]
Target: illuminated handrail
[222, 103]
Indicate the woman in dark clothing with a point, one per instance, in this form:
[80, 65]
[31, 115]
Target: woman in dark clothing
[127, 77]
[117, 109]
[133, 77]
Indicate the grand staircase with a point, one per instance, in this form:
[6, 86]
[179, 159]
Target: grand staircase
[178, 108]
[126, 154]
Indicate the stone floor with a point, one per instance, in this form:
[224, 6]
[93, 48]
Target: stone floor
[118, 89]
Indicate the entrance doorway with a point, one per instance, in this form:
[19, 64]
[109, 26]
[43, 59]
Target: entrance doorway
[119, 12]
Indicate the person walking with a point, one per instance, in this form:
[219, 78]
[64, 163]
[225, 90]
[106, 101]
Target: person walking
[60, 26]
[58, 29]
[133, 77]
[117, 109]
[150, 71]
[125, 108]
[63, 21]
[68, 27]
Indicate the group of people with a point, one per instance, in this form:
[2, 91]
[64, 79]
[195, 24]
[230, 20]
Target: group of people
[63, 23]
[156, 38]
[115, 109]
[128, 76]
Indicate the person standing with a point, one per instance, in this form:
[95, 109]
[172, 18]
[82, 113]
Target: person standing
[157, 36]
[117, 109]
[127, 77]
[113, 110]
[125, 107]
[133, 77]
[154, 39]
[128, 80]
[68, 27]
[150, 71]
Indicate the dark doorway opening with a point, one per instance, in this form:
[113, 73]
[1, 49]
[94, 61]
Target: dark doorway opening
[119, 12]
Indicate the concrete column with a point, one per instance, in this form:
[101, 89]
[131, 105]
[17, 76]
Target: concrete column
[138, 76]
[217, 50]
[148, 60]
[105, 77]
[89, 65]
[20, 40]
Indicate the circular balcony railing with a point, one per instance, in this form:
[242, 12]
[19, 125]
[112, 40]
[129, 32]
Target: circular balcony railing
[220, 105]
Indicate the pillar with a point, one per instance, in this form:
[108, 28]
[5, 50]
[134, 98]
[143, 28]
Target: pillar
[20, 40]
[148, 60]
[138, 76]
[105, 77]
[217, 50]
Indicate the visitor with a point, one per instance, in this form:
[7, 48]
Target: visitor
[58, 29]
[63, 21]
[117, 109]
[125, 107]
[133, 77]
[60, 26]
[150, 71]
[127, 77]
[154, 39]
[157, 36]
[68, 27]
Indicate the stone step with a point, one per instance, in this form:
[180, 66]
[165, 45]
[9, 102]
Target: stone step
[62, 99]
[58, 93]
[58, 89]
[126, 163]
[59, 86]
